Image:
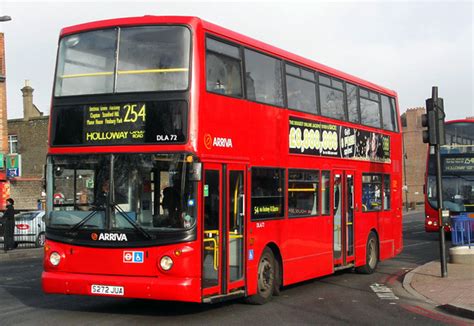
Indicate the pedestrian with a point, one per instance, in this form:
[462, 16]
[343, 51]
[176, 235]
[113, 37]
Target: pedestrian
[9, 226]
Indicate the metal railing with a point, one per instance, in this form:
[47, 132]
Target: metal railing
[462, 230]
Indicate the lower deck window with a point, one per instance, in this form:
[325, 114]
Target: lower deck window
[371, 192]
[267, 193]
[303, 187]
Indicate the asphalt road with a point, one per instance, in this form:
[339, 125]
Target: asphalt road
[343, 298]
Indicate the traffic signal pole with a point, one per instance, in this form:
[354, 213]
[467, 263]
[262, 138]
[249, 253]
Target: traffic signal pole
[442, 236]
[434, 135]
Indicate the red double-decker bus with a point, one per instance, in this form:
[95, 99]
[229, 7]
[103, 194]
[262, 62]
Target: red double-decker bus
[457, 173]
[188, 162]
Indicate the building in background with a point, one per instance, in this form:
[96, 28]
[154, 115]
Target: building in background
[27, 147]
[415, 154]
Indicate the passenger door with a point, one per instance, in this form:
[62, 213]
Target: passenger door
[343, 217]
[223, 228]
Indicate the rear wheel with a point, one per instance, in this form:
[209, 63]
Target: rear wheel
[372, 255]
[40, 240]
[266, 279]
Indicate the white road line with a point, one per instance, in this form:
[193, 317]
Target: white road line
[383, 292]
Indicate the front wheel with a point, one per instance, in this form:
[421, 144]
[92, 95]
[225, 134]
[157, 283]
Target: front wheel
[266, 279]
[371, 255]
[40, 240]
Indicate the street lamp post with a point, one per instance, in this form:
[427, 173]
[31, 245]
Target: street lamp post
[4, 185]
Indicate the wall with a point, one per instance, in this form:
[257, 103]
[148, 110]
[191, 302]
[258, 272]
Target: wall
[32, 145]
[415, 155]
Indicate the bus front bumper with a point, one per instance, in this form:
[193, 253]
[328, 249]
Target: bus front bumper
[157, 288]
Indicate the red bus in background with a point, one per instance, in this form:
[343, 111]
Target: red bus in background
[188, 162]
[457, 172]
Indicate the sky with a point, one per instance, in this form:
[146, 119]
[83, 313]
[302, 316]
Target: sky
[406, 46]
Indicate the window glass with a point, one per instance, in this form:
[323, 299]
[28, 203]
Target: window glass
[301, 94]
[374, 96]
[86, 63]
[325, 193]
[223, 48]
[386, 192]
[263, 78]
[337, 84]
[387, 117]
[223, 75]
[364, 92]
[324, 80]
[12, 144]
[352, 105]
[290, 69]
[370, 114]
[371, 192]
[303, 187]
[267, 193]
[394, 113]
[146, 194]
[307, 74]
[153, 58]
[332, 102]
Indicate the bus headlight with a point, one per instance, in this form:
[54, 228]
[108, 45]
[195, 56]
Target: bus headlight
[166, 263]
[55, 258]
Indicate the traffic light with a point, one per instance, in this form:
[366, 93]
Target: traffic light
[434, 120]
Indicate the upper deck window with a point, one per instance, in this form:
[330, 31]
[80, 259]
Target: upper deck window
[331, 92]
[144, 59]
[389, 114]
[370, 108]
[263, 78]
[301, 89]
[223, 68]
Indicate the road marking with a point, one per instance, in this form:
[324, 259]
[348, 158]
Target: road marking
[383, 292]
[15, 286]
[418, 244]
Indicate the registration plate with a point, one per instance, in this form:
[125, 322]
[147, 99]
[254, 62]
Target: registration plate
[107, 289]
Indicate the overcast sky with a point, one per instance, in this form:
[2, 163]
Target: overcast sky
[402, 45]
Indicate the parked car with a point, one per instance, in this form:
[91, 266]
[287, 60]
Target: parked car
[30, 228]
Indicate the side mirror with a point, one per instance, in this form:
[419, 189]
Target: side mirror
[196, 172]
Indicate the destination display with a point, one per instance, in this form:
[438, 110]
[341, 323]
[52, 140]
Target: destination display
[157, 122]
[116, 123]
[458, 164]
[324, 139]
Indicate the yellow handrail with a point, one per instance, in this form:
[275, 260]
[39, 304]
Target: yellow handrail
[124, 72]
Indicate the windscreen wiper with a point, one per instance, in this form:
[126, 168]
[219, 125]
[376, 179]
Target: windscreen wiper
[135, 225]
[78, 225]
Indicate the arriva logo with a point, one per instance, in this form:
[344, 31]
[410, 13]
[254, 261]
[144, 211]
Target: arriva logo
[109, 237]
[210, 142]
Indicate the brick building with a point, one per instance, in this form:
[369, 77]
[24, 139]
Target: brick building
[415, 152]
[27, 137]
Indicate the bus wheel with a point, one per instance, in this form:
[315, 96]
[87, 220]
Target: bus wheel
[371, 257]
[266, 279]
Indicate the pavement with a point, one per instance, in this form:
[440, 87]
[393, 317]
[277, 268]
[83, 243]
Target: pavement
[453, 294]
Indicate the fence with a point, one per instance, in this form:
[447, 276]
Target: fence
[462, 230]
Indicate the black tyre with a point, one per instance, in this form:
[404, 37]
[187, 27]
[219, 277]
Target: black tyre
[40, 240]
[372, 255]
[266, 279]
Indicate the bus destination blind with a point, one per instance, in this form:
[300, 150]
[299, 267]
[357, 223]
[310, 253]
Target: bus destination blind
[114, 123]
